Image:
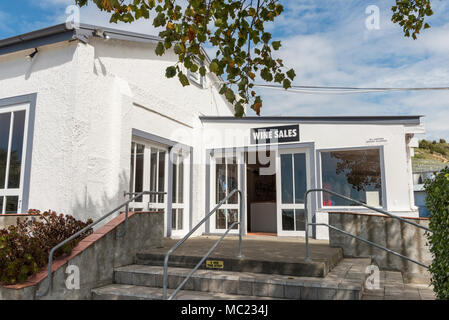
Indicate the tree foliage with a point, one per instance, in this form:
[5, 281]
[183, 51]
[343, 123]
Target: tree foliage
[411, 15]
[437, 201]
[237, 30]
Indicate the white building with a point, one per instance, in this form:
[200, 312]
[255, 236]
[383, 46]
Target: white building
[86, 114]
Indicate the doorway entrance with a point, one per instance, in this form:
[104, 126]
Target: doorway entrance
[261, 192]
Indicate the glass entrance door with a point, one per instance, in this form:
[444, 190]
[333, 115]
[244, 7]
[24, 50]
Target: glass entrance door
[225, 178]
[149, 165]
[292, 182]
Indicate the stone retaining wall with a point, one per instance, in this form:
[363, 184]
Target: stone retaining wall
[398, 236]
[96, 256]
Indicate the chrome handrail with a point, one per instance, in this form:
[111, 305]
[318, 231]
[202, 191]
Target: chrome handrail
[87, 228]
[180, 242]
[307, 224]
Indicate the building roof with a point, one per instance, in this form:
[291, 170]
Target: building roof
[405, 120]
[62, 32]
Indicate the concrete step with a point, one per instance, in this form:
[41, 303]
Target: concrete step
[132, 292]
[316, 268]
[345, 283]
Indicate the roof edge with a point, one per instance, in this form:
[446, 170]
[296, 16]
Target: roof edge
[407, 120]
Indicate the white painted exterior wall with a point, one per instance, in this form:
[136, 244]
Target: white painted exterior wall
[91, 96]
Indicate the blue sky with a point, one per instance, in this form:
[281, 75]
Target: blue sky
[327, 43]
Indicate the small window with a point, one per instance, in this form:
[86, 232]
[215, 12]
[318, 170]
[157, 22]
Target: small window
[353, 173]
[195, 77]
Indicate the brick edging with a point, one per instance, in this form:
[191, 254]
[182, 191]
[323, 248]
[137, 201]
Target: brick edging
[80, 247]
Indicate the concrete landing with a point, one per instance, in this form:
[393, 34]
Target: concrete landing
[262, 254]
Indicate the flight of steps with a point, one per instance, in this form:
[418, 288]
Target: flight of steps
[250, 281]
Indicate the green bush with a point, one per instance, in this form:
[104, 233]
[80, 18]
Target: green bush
[24, 248]
[437, 202]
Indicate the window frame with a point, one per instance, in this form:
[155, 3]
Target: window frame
[319, 152]
[25, 103]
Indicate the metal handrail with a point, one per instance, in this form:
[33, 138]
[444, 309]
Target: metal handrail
[307, 224]
[77, 234]
[180, 242]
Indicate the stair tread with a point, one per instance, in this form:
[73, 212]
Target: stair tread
[142, 292]
[333, 280]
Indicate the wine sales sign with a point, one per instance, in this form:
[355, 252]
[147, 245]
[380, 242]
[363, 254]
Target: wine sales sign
[278, 134]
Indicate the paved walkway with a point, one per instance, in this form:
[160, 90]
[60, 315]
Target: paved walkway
[392, 287]
[265, 248]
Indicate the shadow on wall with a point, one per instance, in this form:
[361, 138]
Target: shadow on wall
[97, 206]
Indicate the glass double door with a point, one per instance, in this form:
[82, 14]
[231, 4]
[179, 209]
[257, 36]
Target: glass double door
[292, 182]
[149, 171]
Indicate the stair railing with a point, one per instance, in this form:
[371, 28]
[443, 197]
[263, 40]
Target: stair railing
[89, 227]
[307, 224]
[180, 242]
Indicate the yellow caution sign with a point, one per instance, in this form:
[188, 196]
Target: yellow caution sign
[214, 264]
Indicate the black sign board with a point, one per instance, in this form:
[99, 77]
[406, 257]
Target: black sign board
[279, 134]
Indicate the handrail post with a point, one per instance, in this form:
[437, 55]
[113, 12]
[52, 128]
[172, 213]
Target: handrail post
[306, 220]
[240, 255]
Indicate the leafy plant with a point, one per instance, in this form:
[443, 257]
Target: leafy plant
[437, 201]
[411, 15]
[24, 248]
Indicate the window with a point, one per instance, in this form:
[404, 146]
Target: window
[352, 173]
[178, 192]
[196, 77]
[12, 133]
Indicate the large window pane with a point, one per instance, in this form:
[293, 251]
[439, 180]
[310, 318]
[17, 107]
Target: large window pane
[153, 173]
[181, 180]
[15, 162]
[233, 217]
[5, 120]
[286, 178]
[232, 179]
[138, 187]
[161, 178]
[220, 172]
[352, 173]
[220, 219]
[180, 219]
[288, 220]
[300, 177]
[131, 170]
[299, 219]
[12, 204]
[175, 180]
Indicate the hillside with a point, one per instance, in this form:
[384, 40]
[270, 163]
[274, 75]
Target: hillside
[431, 156]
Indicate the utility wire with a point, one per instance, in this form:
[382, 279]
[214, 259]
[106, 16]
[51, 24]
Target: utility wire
[343, 90]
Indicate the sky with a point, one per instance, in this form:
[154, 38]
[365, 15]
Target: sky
[328, 43]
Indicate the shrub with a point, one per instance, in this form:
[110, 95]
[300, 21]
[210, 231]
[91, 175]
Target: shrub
[437, 202]
[24, 248]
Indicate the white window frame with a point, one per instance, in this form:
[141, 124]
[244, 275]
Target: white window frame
[16, 191]
[185, 205]
[236, 206]
[352, 208]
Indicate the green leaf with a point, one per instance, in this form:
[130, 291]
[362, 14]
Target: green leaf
[160, 49]
[183, 79]
[276, 45]
[213, 67]
[291, 74]
[170, 72]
